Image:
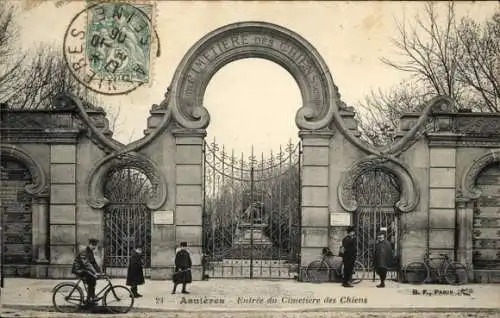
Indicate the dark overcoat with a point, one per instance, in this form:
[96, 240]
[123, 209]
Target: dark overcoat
[350, 250]
[383, 257]
[135, 274]
[183, 264]
[85, 263]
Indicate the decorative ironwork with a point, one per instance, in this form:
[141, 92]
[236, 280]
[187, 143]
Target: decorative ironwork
[251, 219]
[409, 189]
[127, 219]
[17, 212]
[377, 191]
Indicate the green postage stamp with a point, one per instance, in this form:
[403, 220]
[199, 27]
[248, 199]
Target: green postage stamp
[109, 46]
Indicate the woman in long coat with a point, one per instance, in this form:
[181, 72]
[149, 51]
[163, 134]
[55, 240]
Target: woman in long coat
[183, 264]
[135, 274]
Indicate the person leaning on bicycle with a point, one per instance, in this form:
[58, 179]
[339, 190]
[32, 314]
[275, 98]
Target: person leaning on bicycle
[87, 269]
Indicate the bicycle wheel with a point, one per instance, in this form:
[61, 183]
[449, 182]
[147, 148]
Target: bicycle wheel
[455, 273]
[416, 273]
[67, 297]
[358, 273]
[318, 271]
[118, 299]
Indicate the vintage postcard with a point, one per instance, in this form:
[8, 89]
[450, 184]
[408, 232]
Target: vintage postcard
[249, 158]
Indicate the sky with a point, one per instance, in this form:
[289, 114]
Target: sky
[253, 102]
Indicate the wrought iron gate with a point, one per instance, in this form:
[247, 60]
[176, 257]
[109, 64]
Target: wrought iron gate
[251, 214]
[127, 220]
[17, 217]
[486, 221]
[377, 192]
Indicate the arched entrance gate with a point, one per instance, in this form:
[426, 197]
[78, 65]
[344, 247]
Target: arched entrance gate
[320, 100]
[251, 214]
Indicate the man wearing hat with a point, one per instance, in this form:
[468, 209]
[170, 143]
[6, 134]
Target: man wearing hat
[382, 258]
[86, 267]
[183, 264]
[349, 256]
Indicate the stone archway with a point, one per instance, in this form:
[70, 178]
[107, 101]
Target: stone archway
[249, 40]
[477, 210]
[468, 181]
[409, 188]
[320, 101]
[38, 186]
[28, 197]
[96, 180]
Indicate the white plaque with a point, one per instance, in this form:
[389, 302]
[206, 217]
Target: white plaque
[163, 217]
[340, 219]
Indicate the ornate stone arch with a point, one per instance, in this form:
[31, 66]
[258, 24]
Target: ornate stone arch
[468, 182]
[410, 194]
[39, 186]
[248, 40]
[97, 178]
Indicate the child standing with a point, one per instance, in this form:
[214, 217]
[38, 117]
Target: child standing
[135, 275]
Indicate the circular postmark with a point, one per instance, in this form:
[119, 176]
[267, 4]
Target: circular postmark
[107, 47]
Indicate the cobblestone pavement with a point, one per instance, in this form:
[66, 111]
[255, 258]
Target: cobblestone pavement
[14, 313]
[285, 298]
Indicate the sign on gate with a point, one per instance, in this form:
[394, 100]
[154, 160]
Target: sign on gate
[163, 217]
[340, 218]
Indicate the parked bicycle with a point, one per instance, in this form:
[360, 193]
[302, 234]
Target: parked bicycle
[69, 297]
[448, 271]
[324, 270]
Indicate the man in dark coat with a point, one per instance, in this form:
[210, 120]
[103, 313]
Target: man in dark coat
[382, 258]
[183, 264]
[349, 256]
[86, 268]
[135, 274]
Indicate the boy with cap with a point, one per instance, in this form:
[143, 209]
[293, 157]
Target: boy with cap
[382, 258]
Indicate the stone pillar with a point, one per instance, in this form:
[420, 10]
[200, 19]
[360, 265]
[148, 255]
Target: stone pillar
[40, 211]
[315, 194]
[189, 193]
[40, 242]
[464, 228]
[62, 209]
[442, 200]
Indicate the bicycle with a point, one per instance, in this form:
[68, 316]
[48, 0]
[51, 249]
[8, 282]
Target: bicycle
[321, 270]
[73, 296]
[451, 272]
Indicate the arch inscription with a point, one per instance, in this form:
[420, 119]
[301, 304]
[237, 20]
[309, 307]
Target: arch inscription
[254, 40]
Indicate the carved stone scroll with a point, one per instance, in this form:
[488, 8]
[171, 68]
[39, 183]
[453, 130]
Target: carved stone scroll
[409, 193]
[97, 178]
[39, 185]
[469, 189]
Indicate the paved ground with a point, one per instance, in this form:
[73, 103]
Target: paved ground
[259, 298]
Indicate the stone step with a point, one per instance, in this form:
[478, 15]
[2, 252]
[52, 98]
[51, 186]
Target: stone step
[246, 262]
[244, 272]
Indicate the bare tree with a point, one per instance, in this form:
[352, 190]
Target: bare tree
[477, 67]
[442, 57]
[10, 64]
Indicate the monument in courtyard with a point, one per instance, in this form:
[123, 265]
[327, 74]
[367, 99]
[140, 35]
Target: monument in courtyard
[251, 241]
